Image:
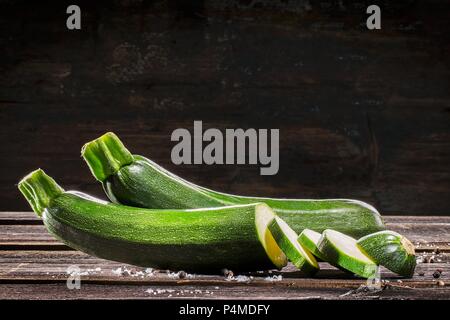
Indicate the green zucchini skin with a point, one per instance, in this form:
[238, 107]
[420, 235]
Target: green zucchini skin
[144, 184]
[141, 184]
[309, 239]
[201, 240]
[391, 250]
[137, 181]
[286, 239]
[337, 256]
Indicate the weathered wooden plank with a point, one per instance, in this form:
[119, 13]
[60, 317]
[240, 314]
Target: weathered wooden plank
[327, 278]
[47, 271]
[39, 266]
[419, 219]
[67, 257]
[96, 291]
[16, 234]
[19, 217]
[427, 233]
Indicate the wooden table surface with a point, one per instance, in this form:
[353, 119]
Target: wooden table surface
[33, 265]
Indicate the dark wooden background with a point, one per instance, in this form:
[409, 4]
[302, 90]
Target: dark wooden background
[362, 114]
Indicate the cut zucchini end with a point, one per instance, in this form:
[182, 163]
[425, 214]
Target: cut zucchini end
[409, 247]
[391, 250]
[106, 155]
[264, 216]
[39, 189]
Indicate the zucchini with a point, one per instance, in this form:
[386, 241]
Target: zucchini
[309, 239]
[286, 238]
[136, 181]
[391, 250]
[341, 250]
[206, 240]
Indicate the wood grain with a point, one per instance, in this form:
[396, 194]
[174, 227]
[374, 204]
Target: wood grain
[95, 291]
[45, 266]
[29, 268]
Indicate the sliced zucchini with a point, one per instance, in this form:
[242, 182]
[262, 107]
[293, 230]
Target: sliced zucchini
[391, 250]
[342, 250]
[286, 238]
[309, 239]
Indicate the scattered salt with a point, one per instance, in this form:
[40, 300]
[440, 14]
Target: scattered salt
[149, 272]
[159, 291]
[274, 278]
[133, 273]
[78, 273]
[180, 275]
[118, 271]
[172, 275]
[239, 278]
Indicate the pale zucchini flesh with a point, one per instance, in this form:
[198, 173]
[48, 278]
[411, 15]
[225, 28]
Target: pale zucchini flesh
[391, 250]
[342, 250]
[286, 239]
[309, 239]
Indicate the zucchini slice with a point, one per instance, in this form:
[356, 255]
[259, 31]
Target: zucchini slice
[391, 250]
[342, 250]
[286, 238]
[309, 239]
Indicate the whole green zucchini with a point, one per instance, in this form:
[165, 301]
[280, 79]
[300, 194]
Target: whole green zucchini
[137, 181]
[205, 240]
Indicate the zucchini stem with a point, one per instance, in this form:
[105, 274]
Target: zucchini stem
[39, 189]
[106, 155]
